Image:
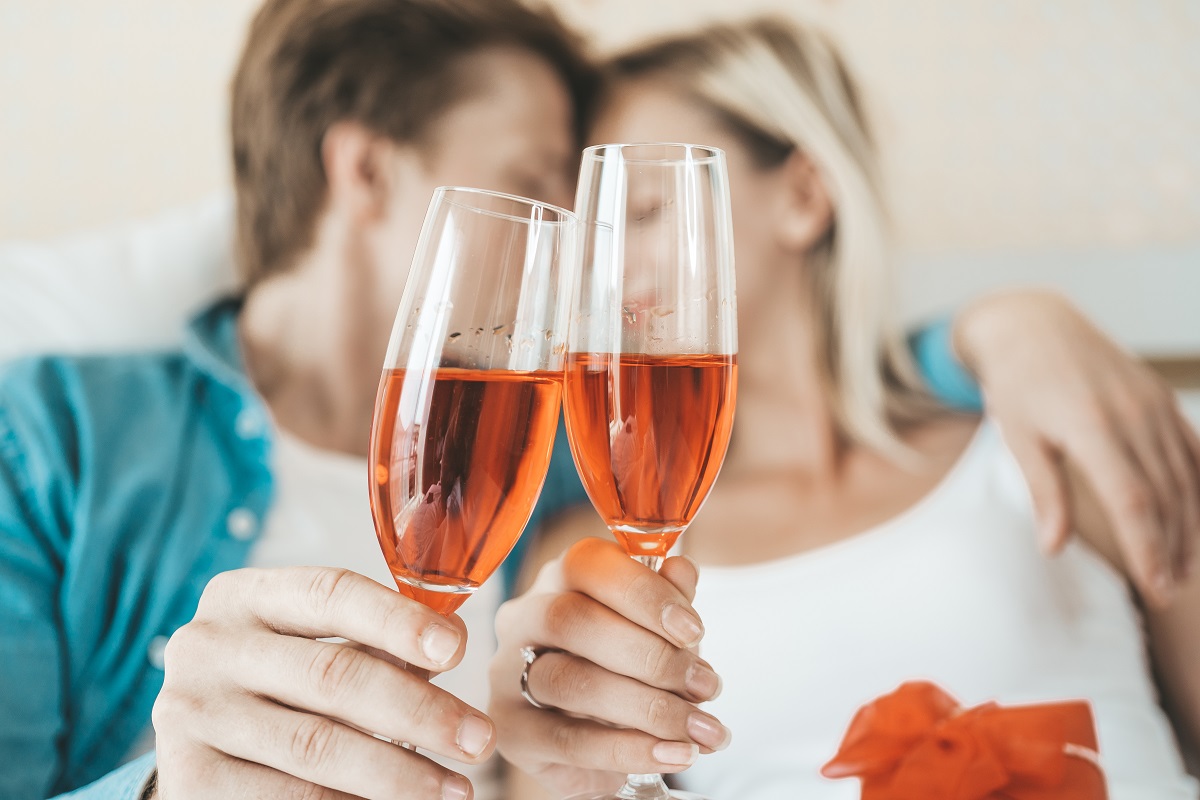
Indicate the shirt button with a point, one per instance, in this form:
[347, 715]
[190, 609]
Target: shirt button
[241, 523]
[249, 424]
[157, 651]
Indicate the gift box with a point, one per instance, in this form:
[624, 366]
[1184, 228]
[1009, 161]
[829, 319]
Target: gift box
[919, 743]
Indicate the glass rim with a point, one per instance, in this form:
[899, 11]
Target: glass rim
[451, 192]
[599, 152]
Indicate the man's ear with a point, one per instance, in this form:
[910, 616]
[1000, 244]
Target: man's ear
[807, 210]
[356, 163]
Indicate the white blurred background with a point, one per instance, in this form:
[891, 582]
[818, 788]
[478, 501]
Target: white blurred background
[1028, 141]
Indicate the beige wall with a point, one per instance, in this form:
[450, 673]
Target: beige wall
[1008, 122]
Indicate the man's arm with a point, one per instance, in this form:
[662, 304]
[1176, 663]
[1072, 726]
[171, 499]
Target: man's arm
[32, 653]
[1064, 393]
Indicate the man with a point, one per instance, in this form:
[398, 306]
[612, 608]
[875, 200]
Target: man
[133, 487]
[129, 482]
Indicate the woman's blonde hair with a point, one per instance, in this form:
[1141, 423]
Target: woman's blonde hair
[780, 87]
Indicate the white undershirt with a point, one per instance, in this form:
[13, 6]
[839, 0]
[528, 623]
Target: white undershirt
[321, 516]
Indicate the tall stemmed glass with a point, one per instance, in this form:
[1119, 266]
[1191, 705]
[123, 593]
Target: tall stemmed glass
[652, 364]
[471, 389]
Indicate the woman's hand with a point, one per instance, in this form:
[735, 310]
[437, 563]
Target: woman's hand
[1061, 390]
[253, 706]
[618, 660]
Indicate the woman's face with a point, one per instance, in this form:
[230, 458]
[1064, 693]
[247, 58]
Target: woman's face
[654, 111]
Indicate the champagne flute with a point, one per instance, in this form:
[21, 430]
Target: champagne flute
[652, 350]
[469, 399]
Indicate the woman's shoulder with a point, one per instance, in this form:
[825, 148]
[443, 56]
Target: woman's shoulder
[943, 438]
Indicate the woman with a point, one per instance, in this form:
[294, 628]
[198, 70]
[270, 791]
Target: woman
[859, 536]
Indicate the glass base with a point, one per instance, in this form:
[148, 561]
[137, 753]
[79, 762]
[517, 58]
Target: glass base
[674, 794]
[641, 787]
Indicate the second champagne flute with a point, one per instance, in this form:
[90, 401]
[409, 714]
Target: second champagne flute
[652, 364]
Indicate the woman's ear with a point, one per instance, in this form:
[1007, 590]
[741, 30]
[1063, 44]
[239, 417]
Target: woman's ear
[358, 171]
[807, 208]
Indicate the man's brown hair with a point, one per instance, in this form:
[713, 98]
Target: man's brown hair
[390, 65]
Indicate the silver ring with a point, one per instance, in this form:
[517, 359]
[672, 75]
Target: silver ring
[530, 654]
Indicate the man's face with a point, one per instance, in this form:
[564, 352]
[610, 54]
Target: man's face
[513, 134]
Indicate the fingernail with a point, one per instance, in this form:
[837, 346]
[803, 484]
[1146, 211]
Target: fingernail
[456, 787]
[682, 626]
[676, 754]
[439, 643]
[706, 731]
[474, 735]
[702, 682]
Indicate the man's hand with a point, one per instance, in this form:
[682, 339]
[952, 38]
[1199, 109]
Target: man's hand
[1062, 391]
[254, 706]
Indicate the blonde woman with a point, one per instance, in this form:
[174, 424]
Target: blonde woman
[859, 535]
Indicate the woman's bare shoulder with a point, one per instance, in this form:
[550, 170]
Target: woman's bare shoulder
[943, 439]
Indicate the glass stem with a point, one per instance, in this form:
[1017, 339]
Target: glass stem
[644, 787]
[653, 562]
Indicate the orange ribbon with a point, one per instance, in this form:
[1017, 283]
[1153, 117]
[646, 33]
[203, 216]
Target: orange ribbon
[918, 743]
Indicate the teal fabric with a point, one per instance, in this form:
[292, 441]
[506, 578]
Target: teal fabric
[946, 378]
[117, 476]
[126, 483]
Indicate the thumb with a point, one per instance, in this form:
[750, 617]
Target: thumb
[682, 573]
[1046, 477]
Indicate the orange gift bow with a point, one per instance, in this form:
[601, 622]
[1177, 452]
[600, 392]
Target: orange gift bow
[918, 743]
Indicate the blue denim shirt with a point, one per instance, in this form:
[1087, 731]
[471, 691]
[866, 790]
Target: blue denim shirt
[126, 483]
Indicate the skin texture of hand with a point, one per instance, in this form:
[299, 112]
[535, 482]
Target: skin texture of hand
[254, 706]
[627, 678]
[1062, 392]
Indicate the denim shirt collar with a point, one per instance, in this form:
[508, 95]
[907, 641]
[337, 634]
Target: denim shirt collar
[211, 343]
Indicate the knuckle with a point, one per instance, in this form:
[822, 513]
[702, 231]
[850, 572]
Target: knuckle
[424, 779]
[425, 707]
[194, 643]
[1093, 416]
[328, 586]
[313, 741]
[219, 588]
[1130, 408]
[174, 708]
[303, 790]
[659, 712]
[1135, 499]
[567, 743]
[334, 670]
[657, 663]
[403, 618]
[643, 585]
[562, 678]
[564, 614]
[624, 753]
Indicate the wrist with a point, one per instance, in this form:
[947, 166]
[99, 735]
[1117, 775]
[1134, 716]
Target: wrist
[986, 328]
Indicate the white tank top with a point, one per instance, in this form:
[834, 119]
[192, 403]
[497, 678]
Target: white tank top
[953, 590]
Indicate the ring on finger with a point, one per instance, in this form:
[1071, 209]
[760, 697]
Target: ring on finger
[530, 654]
